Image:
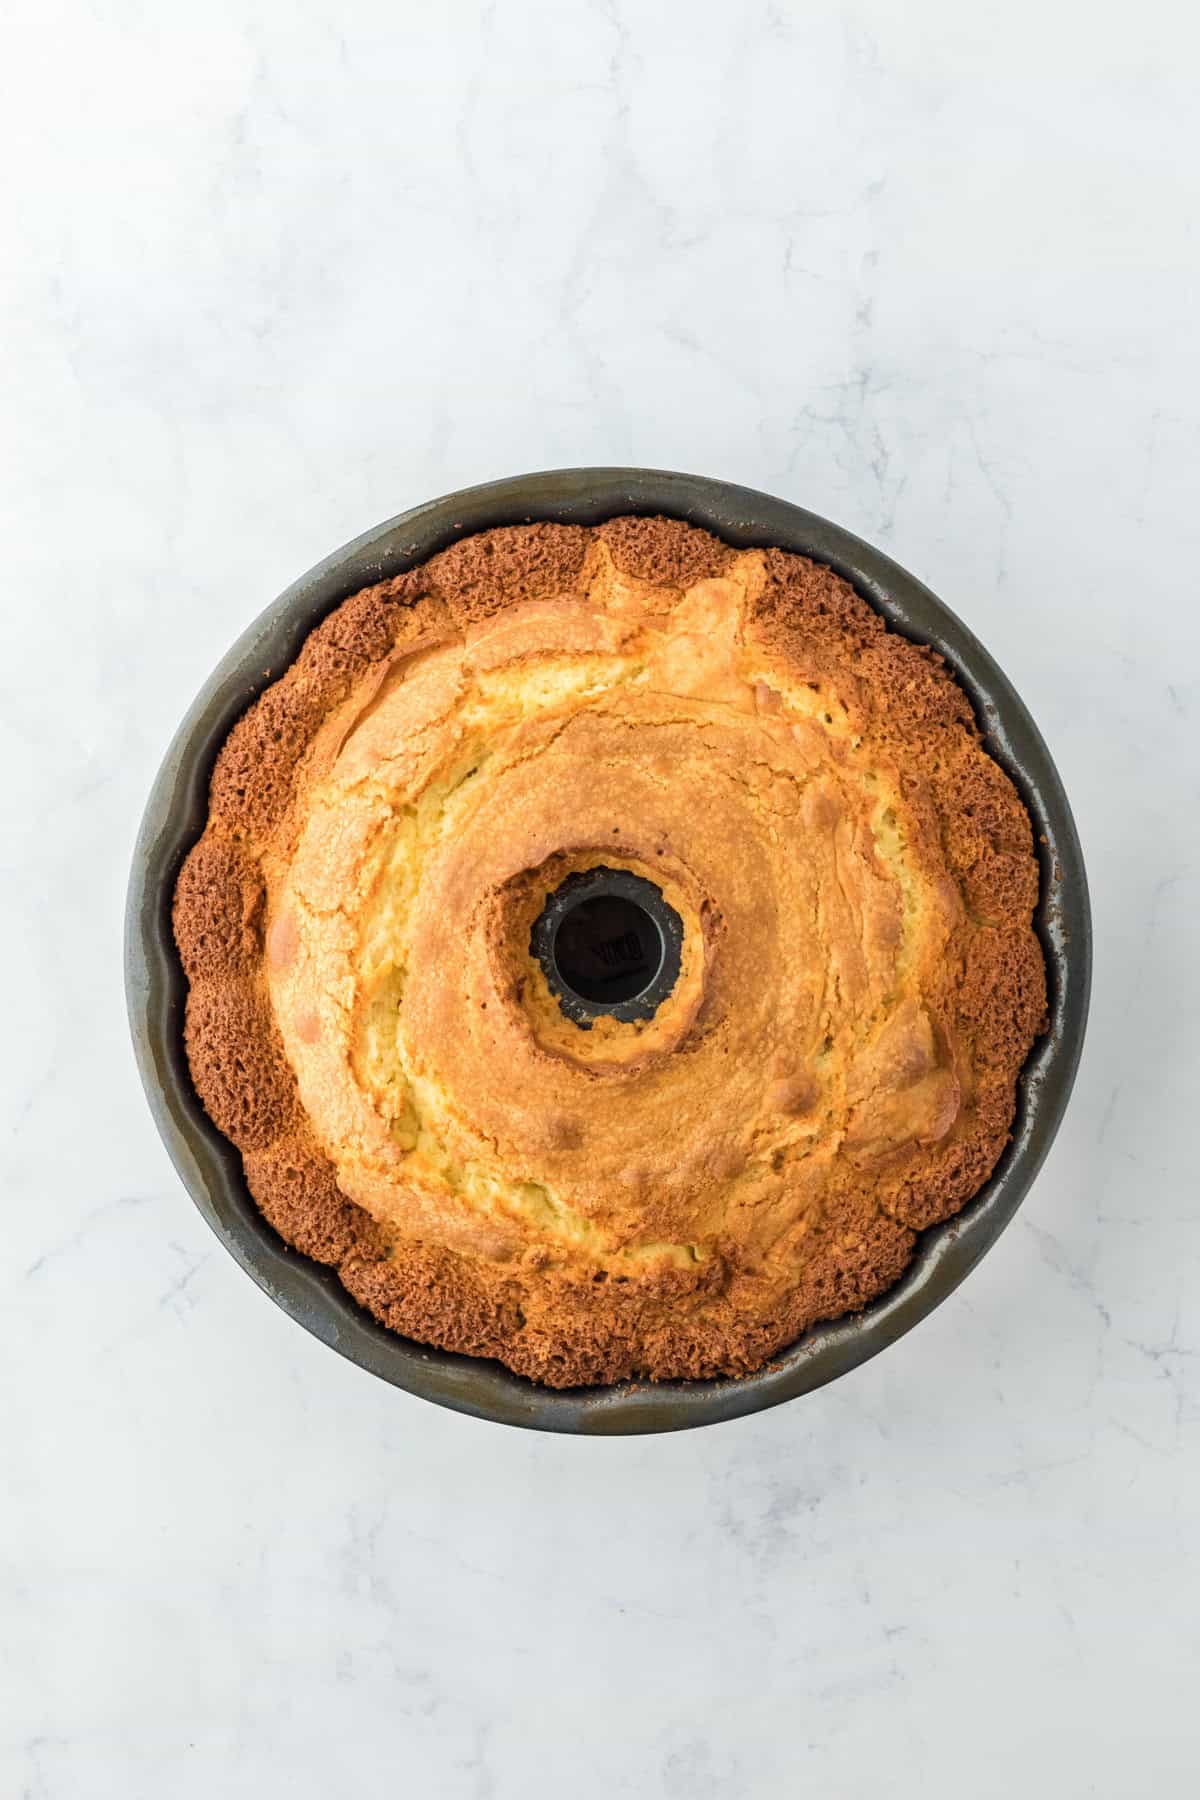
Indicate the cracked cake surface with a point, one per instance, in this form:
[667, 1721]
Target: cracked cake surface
[859, 981]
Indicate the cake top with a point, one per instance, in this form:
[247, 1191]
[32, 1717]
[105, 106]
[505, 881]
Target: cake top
[609, 949]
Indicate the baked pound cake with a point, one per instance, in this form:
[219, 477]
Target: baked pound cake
[609, 950]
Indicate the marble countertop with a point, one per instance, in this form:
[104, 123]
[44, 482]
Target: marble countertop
[274, 272]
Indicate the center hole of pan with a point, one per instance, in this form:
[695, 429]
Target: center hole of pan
[608, 942]
[607, 948]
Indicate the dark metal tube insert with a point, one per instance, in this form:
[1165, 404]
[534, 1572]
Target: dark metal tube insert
[609, 944]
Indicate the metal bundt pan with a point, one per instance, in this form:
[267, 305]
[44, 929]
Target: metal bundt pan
[211, 1168]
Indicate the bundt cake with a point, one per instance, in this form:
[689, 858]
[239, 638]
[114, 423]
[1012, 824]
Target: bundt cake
[609, 950]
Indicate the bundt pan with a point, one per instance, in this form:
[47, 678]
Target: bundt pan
[211, 1168]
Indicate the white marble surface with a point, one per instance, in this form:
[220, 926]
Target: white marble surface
[276, 270]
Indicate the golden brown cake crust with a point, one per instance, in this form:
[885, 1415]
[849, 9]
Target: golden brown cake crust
[861, 984]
